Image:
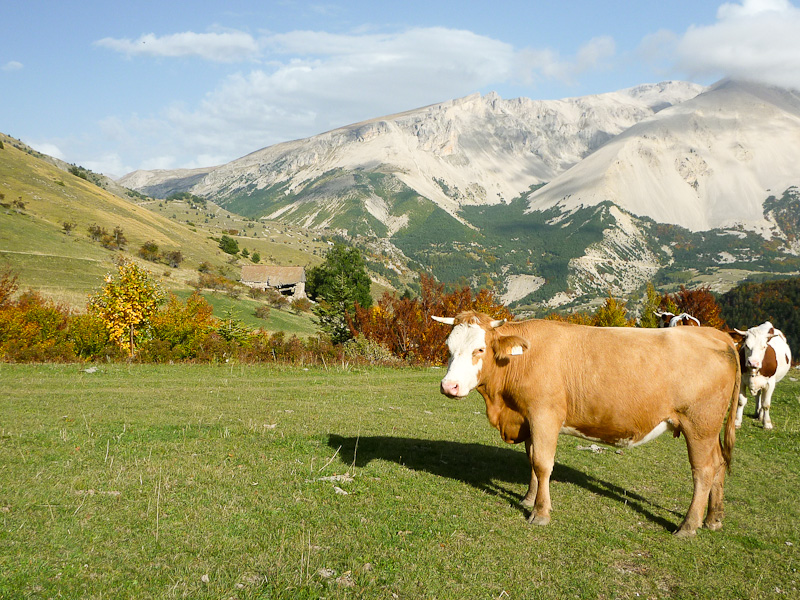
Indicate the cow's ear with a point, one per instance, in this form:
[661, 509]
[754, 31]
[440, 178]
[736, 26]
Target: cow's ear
[497, 323]
[738, 336]
[506, 346]
[445, 320]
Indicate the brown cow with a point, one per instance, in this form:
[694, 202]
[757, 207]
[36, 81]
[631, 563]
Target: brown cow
[540, 378]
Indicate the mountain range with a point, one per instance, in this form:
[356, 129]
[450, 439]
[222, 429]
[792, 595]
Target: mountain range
[551, 203]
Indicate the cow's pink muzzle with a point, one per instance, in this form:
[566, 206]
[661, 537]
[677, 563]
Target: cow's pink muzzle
[452, 389]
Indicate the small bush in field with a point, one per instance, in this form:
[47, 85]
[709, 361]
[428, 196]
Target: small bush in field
[90, 338]
[301, 305]
[127, 303]
[34, 329]
[179, 330]
[275, 299]
[369, 350]
[262, 311]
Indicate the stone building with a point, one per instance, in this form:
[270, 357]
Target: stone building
[289, 281]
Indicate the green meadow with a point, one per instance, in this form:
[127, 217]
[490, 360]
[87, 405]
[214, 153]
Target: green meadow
[232, 481]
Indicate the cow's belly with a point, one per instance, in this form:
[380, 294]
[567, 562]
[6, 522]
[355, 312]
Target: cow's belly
[619, 438]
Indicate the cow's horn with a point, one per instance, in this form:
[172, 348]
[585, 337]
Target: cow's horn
[739, 332]
[445, 320]
[497, 323]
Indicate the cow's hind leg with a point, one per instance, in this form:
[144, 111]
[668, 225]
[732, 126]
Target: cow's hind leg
[530, 498]
[705, 458]
[713, 520]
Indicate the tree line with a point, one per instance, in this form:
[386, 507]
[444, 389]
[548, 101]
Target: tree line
[131, 318]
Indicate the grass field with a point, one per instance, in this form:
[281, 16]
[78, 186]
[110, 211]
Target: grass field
[267, 482]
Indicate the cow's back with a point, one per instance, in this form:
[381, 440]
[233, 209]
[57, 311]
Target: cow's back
[622, 381]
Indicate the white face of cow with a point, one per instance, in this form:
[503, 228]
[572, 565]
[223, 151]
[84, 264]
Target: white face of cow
[755, 345]
[467, 345]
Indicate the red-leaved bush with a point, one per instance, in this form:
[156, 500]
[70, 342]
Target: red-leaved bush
[404, 325]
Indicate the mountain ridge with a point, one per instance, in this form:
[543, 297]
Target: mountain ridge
[551, 203]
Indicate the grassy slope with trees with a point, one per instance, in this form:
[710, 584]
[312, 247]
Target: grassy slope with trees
[64, 263]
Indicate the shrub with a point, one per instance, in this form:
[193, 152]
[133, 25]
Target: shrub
[300, 305]
[262, 311]
[90, 338]
[362, 348]
[229, 245]
[149, 251]
[275, 299]
[700, 303]
[173, 258]
[179, 330]
[404, 325]
[126, 304]
[34, 329]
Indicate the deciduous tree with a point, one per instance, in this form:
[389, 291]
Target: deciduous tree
[126, 303]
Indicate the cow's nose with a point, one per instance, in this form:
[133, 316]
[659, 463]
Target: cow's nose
[449, 388]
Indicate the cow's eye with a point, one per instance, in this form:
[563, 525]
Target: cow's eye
[480, 350]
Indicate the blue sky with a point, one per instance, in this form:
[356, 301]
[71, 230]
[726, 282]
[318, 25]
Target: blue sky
[116, 87]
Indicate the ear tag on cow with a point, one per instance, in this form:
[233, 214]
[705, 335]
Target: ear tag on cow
[516, 351]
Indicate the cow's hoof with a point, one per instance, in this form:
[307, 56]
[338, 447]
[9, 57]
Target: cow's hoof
[714, 525]
[685, 533]
[528, 503]
[767, 425]
[535, 519]
[737, 424]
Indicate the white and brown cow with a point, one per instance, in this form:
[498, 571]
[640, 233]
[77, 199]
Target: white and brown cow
[765, 358]
[541, 378]
[669, 319]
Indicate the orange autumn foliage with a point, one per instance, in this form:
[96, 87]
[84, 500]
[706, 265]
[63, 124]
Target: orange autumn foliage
[405, 327]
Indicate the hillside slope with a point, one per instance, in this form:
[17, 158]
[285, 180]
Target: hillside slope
[38, 198]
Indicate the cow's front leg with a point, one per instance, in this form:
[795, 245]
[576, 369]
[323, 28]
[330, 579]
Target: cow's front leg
[530, 498]
[544, 440]
[740, 409]
[766, 401]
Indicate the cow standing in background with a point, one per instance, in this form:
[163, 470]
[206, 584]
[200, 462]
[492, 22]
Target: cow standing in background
[668, 319]
[765, 358]
[541, 378]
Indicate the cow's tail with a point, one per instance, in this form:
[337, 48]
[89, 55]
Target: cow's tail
[730, 425]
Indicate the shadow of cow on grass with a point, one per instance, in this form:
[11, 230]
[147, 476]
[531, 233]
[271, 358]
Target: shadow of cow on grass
[486, 468]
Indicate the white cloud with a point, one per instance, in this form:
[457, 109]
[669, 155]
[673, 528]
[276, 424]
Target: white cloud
[47, 148]
[12, 65]
[756, 40]
[326, 81]
[219, 47]
[308, 82]
[533, 64]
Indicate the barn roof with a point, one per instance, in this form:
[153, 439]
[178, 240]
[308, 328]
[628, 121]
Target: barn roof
[273, 276]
